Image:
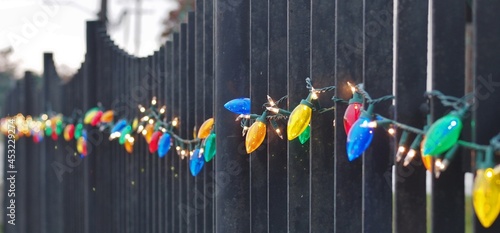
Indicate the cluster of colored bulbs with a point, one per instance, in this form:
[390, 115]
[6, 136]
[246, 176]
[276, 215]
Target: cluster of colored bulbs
[256, 133]
[160, 137]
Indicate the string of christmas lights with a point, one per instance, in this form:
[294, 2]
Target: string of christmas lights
[437, 142]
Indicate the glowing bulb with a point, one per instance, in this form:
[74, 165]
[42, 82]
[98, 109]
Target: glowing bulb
[107, 117]
[140, 128]
[196, 163]
[69, 132]
[391, 131]
[409, 157]
[239, 106]
[351, 115]
[353, 88]
[210, 147]
[175, 122]
[129, 145]
[153, 143]
[135, 123]
[177, 148]
[142, 109]
[151, 121]
[118, 127]
[299, 120]
[270, 101]
[59, 127]
[164, 145]
[255, 136]
[205, 128]
[163, 109]
[153, 101]
[131, 139]
[273, 109]
[89, 115]
[399, 154]
[442, 135]
[359, 138]
[145, 118]
[304, 136]
[149, 130]
[124, 134]
[486, 196]
[78, 130]
[96, 119]
[45, 117]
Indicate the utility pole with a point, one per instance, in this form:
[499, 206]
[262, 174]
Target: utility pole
[138, 15]
[103, 13]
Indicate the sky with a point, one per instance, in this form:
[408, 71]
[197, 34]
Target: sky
[32, 27]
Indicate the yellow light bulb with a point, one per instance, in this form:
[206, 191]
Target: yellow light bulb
[205, 128]
[255, 136]
[298, 121]
[486, 196]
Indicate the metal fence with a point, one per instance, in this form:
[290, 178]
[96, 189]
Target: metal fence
[234, 48]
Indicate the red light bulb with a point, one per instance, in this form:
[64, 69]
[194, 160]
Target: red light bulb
[97, 119]
[153, 144]
[351, 115]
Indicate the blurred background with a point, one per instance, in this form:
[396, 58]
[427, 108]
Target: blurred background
[28, 28]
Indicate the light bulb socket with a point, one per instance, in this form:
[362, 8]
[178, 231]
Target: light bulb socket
[369, 112]
[262, 118]
[416, 142]
[356, 98]
[307, 102]
[404, 138]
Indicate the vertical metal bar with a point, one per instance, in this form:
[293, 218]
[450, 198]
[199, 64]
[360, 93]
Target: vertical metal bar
[176, 110]
[377, 77]
[181, 98]
[90, 100]
[410, 73]
[258, 91]
[348, 67]
[169, 173]
[208, 111]
[161, 62]
[277, 147]
[190, 123]
[486, 83]
[448, 53]
[199, 115]
[322, 128]
[231, 81]
[299, 18]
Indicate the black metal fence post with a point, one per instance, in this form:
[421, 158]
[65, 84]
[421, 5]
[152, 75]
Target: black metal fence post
[448, 53]
[322, 128]
[348, 68]
[486, 80]
[377, 76]
[277, 154]
[231, 81]
[410, 67]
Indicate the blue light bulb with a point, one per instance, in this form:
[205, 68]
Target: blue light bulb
[196, 163]
[359, 138]
[239, 106]
[118, 127]
[163, 145]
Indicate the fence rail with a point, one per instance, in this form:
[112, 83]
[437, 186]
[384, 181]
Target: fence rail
[227, 49]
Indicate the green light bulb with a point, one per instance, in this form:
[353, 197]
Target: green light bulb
[442, 135]
[78, 130]
[304, 136]
[210, 147]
